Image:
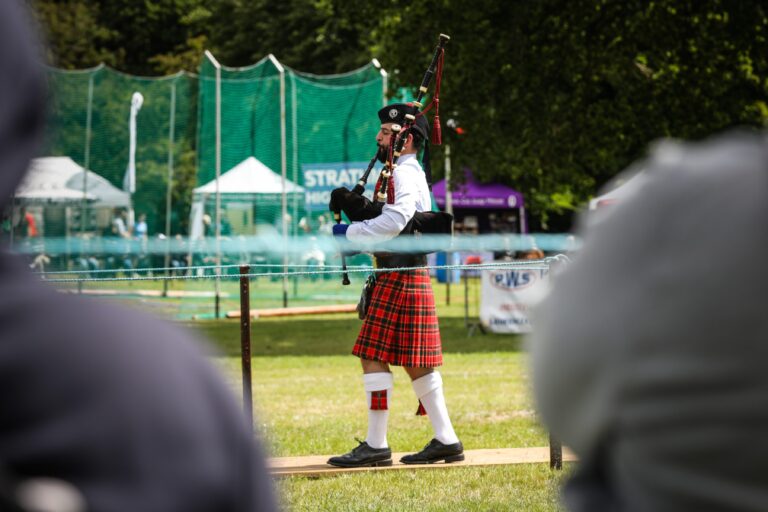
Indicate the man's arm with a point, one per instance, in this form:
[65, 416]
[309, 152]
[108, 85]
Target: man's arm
[393, 218]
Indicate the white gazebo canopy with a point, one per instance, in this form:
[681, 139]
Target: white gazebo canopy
[58, 179]
[249, 182]
[250, 177]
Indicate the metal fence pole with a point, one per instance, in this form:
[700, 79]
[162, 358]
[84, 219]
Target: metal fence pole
[87, 155]
[283, 171]
[448, 210]
[466, 298]
[555, 453]
[217, 216]
[171, 134]
[245, 340]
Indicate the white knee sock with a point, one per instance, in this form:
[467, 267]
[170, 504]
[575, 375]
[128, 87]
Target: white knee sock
[378, 389]
[429, 389]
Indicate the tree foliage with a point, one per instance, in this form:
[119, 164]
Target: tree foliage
[315, 36]
[555, 96]
[76, 37]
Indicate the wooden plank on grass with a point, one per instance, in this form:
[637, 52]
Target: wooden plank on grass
[301, 310]
[316, 465]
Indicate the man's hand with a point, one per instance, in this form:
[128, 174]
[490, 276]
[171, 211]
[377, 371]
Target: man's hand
[337, 199]
[340, 230]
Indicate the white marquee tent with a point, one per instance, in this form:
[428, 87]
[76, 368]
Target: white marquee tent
[57, 180]
[249, 177]
[248, 183]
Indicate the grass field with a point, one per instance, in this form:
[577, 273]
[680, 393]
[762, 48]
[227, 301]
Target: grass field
[194, 298]
[308, 400]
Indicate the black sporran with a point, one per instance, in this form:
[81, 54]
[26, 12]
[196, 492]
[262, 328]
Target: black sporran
[365, 296]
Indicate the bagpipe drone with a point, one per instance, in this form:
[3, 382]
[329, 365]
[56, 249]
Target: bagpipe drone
[357, 207]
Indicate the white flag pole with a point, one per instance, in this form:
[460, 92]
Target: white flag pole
[129, 181]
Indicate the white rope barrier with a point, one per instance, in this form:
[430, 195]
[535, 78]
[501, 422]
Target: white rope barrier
[540, 264]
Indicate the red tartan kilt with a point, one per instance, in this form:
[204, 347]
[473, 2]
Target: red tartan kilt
[401, 326]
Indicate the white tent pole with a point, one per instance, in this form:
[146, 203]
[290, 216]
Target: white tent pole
[295, 169]
[171, 135]
[217, 284]
[449, 210]
[87, 156]
[284, 170]
[295, 149]
[448, 194]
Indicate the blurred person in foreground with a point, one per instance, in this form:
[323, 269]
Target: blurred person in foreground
[649, 352]
[120, 410]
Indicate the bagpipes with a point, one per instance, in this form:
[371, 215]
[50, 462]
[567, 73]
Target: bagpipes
[357, 207]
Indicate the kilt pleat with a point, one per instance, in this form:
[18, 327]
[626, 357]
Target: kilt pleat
[401, 325]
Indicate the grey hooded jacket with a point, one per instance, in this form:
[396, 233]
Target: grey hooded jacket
[121, 406]
[649, 353]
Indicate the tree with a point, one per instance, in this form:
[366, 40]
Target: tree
[315, 36]
[558, 96]
[140, 37]
[75, 35]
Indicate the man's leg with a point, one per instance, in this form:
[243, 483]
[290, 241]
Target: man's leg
[374, 451]
[428, 386]
[378, 383]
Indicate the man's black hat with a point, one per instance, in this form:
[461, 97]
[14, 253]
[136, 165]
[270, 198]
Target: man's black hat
[395, 113]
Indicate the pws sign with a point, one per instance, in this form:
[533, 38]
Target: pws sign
[321, 179]
[507, 295]
[516, 279]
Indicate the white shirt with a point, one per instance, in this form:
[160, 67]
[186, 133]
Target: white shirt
[411, 196]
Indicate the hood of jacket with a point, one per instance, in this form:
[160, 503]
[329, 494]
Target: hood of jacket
[22, 96]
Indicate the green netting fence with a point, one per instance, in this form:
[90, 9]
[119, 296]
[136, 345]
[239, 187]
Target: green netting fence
[291, 122]
[88, 123]
[310, 130]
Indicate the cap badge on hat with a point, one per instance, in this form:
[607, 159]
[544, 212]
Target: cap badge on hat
[393, 113]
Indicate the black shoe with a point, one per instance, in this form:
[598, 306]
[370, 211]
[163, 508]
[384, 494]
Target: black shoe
[363, 456]
[436, 451]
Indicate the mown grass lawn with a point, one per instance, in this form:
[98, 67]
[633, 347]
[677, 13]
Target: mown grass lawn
[308, 400]
[524, 487]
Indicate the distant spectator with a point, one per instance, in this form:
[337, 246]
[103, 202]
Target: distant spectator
[208, 229]
[313, 255]
[121, 254]
[533, 253]
[29, 227]
[119, 224]
[140, 230]
[305, 226]
[323, 226]
[180, 256]
[226, 226]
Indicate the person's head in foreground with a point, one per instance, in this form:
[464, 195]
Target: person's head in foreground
[649, 352]
[102, 409]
